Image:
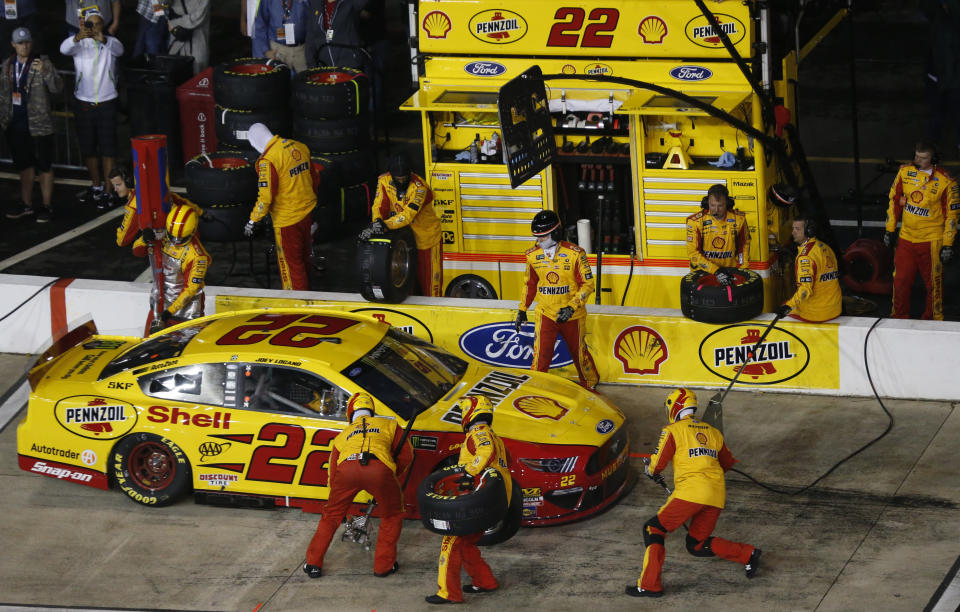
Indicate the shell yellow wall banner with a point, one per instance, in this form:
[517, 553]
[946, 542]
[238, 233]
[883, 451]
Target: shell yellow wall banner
[627, 348]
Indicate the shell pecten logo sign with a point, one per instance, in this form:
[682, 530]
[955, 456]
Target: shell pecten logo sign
[436, 24]
[641, 350]
[498, 26]
[539, 407]
[652, 30]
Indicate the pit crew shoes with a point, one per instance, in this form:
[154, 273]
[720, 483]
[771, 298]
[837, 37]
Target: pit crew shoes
[313, 571]
[751, 567]
[472, 588]
[392, 570]
[436, 599]
[635, 591]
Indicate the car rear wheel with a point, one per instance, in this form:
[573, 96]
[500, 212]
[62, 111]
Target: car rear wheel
[150, 469]
[446, 510]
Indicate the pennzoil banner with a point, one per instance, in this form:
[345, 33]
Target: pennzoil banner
[657, 350]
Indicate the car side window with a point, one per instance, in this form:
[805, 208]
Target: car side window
[200, 384]
[286, 390]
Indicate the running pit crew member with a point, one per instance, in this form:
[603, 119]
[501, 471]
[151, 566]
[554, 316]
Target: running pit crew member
[718, 241]
[818, 297]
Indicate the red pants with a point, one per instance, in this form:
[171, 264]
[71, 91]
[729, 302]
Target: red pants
[457, 551]
[572, 332]
[351, 478]
[703, 519]
[294, 243]
[430, 271]
[910, 258]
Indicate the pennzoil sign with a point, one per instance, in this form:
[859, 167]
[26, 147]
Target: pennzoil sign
[95, 417]
[780, 357]
[498, 26]
[701, 33]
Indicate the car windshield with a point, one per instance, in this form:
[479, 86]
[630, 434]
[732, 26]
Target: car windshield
[158, 348]
[407, 374]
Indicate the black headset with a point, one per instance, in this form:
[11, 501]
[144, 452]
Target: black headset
[717, 191]
[810, 228]
[121, 171]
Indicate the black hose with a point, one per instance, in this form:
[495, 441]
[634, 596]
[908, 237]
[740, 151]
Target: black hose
[24, 302]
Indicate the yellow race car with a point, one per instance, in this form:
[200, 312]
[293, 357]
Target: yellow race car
[240, 408]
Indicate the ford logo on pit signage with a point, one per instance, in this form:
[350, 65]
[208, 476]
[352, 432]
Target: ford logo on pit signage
[691, 73]
[499, 344]
[485, 69]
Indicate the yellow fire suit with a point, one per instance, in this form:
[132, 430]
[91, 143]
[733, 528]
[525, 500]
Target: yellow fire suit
[288, 192]
[130, 224]
[563, 280]
[928, 207]
[481, 449]
[713, 244]
[818, 297]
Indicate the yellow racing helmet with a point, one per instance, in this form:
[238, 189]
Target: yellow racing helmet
[181, 223]
[475, 408]
[680, 403]
[360, 402]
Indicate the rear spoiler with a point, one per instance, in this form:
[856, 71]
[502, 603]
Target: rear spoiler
[72, 338]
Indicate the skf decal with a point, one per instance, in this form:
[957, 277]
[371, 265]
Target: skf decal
[95, 417]
[641, 350]
[436, 24]
[779, 358]
[700, 32]
[498, 26]
[113, 384]
[652, 30]
[539, 407]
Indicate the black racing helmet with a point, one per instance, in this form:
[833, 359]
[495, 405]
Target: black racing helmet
[546, 222]
[399, 170]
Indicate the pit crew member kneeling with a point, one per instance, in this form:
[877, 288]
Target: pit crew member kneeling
[558, 275]
[818, 297]
[700, 457]
[718, 241]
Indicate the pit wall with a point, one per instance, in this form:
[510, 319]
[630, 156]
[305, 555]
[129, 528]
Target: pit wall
[907, 359]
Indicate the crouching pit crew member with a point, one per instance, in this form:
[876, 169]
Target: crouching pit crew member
[818, 297]
[364, 457]
[718, 241]
[481, 449]
[558, 276]
[700, 458]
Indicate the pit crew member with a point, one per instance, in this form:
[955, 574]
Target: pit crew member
[288, 192]
[403, 199]
[718, 241]
[700, 457]
[558, 276]
[924, 198]
[482, 448]
[818, 297]
[364, 457]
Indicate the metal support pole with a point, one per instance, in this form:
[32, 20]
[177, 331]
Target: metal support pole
[854, 124]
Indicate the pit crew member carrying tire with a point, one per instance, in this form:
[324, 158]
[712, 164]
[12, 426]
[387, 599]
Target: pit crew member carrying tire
[362, 459]
[926, 201]
[403, 199]
[818, 297]
[481, 449]
[288, 192]
[700, 457]
[718, 241]
[558, 275]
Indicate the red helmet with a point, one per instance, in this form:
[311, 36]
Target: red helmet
[360, 402]
[475, 408]
[679, 404]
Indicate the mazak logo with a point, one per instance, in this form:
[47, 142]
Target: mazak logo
[436, 24]
[500, 344]
[539, 407]
[781, 356]
[485, 69]
[691, 73]
[700, 32]
[400, 320]
[641, 350]
[652, 30]
[498, 26]
[95, 417]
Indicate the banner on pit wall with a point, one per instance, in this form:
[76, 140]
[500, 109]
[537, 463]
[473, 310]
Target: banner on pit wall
[657, 350]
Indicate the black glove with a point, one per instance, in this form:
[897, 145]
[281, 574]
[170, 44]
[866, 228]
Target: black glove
[376, 228]
[564, 314]
[465, 483]
[149, 235]
[946, 254]
[888, 239]
[783, 311]
[165, 316]
[659, 479]
[723, 278]
[520, 320]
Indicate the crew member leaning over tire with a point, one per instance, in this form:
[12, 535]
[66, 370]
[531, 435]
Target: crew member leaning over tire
[717, 236]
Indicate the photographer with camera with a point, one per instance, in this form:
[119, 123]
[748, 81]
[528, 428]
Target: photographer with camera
[77, 10]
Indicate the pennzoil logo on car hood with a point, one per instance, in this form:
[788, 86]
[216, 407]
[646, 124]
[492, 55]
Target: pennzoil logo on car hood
[95, 417]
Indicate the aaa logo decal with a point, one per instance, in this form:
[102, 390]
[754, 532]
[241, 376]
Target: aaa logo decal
[498, 26]
[436, 24]
[780, 357]
[95, 417]
[700, 32]
[539, 407]
[641, 350]
[652, 30]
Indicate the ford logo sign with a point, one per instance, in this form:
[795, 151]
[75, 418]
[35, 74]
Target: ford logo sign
[691, 73]
[485, 69]
[499, 344]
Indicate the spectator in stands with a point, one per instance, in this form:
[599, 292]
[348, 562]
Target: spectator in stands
[109, 11]
[19, 14]
[151, 28]
[26, 84]
[279, 32]
[333, 35]
[189, 26]
[95, 56]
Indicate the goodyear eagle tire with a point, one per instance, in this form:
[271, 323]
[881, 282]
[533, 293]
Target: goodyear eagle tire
[508, 526]
[387, 266]
[330, 93]
[151, 470]
[221, 178]
[447, 511]
[330, 135]
[704, 299]
[232, 124]
[251, 83]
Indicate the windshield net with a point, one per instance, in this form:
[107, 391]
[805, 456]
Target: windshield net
[166, 346]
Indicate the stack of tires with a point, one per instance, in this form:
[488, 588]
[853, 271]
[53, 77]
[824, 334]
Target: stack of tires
[224, 185]
[330, 116]
[248, 91]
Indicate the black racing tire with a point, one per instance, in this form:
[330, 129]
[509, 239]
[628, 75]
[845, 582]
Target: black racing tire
[221, 178]
[330, 93]
[703, 299]
[351, 167]
[224, 222]
[150, 469]
[330, 135]
[472, 287]
[387, 266]
[447, 511]
[356, 203]
[232, 124]
[251, 83]
[509, 525]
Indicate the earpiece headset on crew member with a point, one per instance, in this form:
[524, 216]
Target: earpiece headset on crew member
[717, 191]
[680, 403]
[810, 228]
[546, 223]
[475, 408]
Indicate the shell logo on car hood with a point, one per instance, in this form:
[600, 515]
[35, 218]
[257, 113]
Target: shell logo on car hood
[95, 417]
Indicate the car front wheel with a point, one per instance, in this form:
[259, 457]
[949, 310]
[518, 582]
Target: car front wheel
[150, 469]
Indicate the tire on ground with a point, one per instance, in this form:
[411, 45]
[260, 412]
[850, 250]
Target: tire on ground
[508, 526]
[704, 299]
[330, 93]
[329, 135]
[232, 124]
[150, 469]
[387, 266]
[221, 178]
[443, 511]
[251, 83]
